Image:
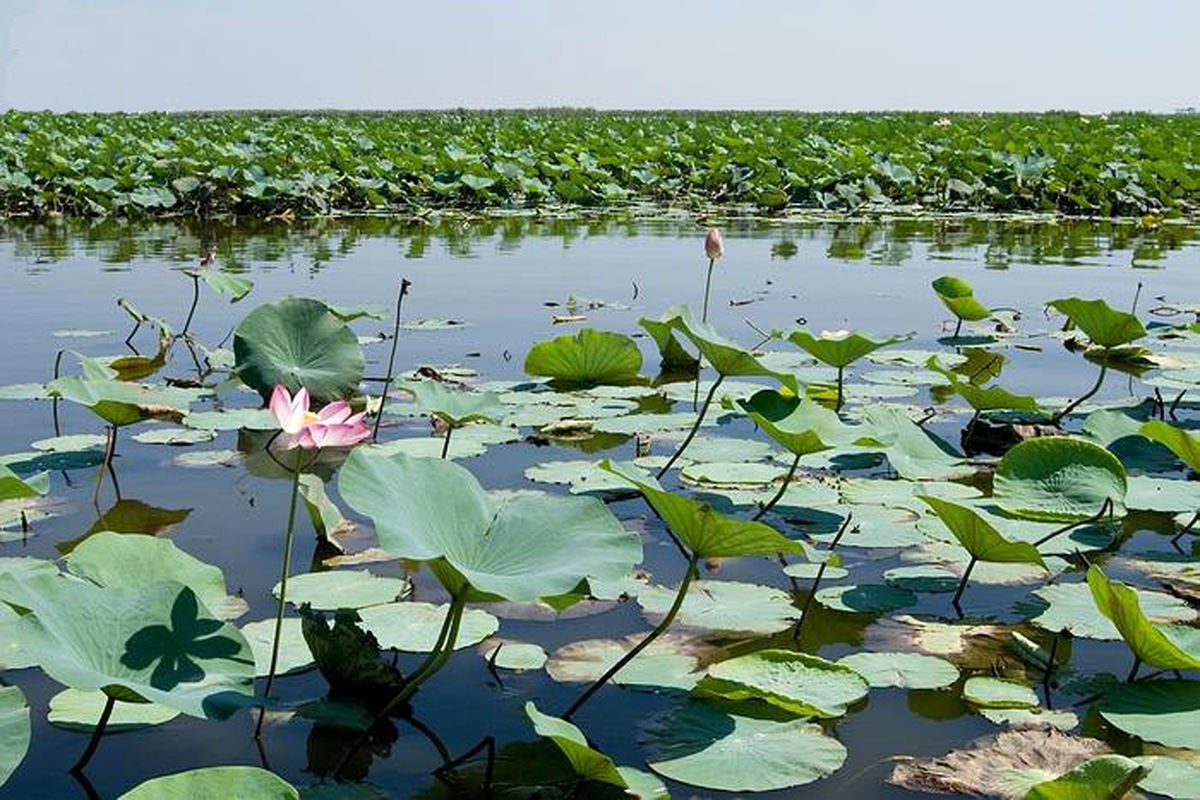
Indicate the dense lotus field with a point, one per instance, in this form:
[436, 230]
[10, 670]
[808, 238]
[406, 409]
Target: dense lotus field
[259, 164]
[802, 453]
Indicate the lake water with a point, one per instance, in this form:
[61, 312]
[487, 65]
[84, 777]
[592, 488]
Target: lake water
[499, 277]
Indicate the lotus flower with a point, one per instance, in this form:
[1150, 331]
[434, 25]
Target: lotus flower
[332, 426]
[714, 244]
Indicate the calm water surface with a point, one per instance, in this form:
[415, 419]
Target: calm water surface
[498, 276]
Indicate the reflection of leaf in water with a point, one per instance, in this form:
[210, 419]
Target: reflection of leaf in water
[175, 647]
[130, 516]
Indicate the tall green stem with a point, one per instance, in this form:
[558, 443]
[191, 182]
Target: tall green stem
[1099, 381]
[642, 645]
[707, 290]
[779, 495]
[97, 732]
[841, 391]
[446, 442]
[195, 299]
[387, 380]
[287, 568]
[692, 433]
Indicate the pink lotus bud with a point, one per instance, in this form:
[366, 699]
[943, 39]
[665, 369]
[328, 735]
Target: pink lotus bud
[714, 245]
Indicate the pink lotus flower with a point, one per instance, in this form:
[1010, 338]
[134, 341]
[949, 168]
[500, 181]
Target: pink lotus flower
[332, 426]
[714, 244]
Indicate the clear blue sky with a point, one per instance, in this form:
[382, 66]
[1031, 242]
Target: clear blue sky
[799, 54]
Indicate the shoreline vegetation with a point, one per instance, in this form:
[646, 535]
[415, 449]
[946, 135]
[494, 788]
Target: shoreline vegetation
[270, 164]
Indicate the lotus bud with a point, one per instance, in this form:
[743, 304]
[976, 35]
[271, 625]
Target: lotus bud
[714, 245]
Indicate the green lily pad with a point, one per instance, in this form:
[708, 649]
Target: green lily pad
[699, 745]
[521, 548]
[329, 591]
[727, 357]
[15, 731]
[588, 357]
[232, 419]
[1104, 326]
[74, 710]
[175, 436]
[865, 599]
[799, 683]
[13, 487]
[1031, 718]
[1059, 478]
[724, 606]
[1099, 779]
[1071, 607]
[294, 655]
[912, 451]
[731, 474]
[70, 443]
[671, 661]
[997, 693]
[900, 493]
[1173, 647]
[1170, 777]
[431, 447]
[1162, 494]
[298, 343]
[902, 670]
[801, 426]
[1185, 446]
[922, 578]
[210, 458]
[959, 298]
[235, 287]
[1167, 712]
[215, 783]
[455, 408]
[413, 627]
[508, 654]
[121, 403]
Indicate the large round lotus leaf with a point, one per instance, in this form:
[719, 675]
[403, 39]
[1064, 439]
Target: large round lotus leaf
[294, 654]
[329, 591]
[157, 642]
[865, 599]
[125, 562]
[870, 527]
[699, 745]
[728, 449]
[800, 683]
[80, 711]
[520, 548]
[1104, 326]
[1059, 478]
[1072, 607]
[671, 661]
[902, 494]
[840, 348]
[15, 730]
[922, 578]
[1031, 718]
[902, 670]
[1162, 494]
[959, 298]
[508, 654]
[215, 783]
[1170, 777]
[413, 627]
[731, 474]
[588, 357]
[997, 693]
[299, 343]
[724, 606]
[1167, 712]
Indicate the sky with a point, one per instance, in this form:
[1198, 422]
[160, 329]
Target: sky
[139, 55]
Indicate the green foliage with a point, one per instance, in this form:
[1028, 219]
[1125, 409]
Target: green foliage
[265, 164]
[958, 296]
[1104, 326]
[840, 348]
[1163, 646]
[979, 538]
[1059, 478]
[589, 357]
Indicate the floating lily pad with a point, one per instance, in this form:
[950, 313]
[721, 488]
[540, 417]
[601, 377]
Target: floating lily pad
[724, 606]
[799, 683]
[232, 419]
[209, 458]
[1170, 777]
[175, 436]
[15, 730]
[1167, 712]
[215, 783]
[998, 693]
[731, 474]
[70, 443]
[508, 654]
[865, 599]
[698, 745]
[1162, 494]
[294, 655]
[588, 357]
[74, 710]
[922, 578]
[413, 627]
[1072, 608]
[1059, 478]
[902, 670]
[341, 588]
[671, 661]
[1031, 718]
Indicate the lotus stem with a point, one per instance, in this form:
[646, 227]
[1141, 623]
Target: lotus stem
[1137, 663]
[387, 381]
[195, 300]
[287, 568]
[110, 448]
[97, 732]
[841, 393]
[54, 404]
[643, 644]
[1075, 403]
[787, 479]
[963, 584]
[1186, 528]
[957, 328]
[488, 744]
[695, 427]
[1105, 508]
[707, 290]
[446, 441]
[817, 580]
[436, 659]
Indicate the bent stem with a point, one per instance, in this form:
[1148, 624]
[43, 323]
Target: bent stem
[643, 644]
[1105, 508]
[387, 380]
[437, 658]
[963, 585]
[195, 299]
[94, 742]
[446, 441]
[1057, 418]
[287, 568]
[787, 479]
[817, 580]
[110, 449]
[957, 328]
[695, 427]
